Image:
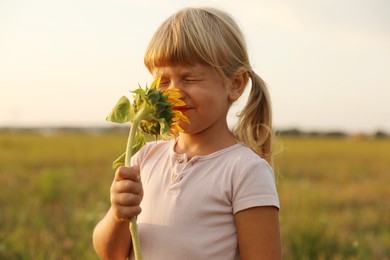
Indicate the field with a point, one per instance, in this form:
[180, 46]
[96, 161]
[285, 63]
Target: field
[54, 189]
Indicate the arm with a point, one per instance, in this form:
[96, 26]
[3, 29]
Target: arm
[258, 233]
[111, 237]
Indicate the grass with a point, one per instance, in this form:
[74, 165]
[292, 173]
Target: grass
[54, 189]
[334, 198]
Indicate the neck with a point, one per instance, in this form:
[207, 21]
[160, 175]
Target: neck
[203, 144]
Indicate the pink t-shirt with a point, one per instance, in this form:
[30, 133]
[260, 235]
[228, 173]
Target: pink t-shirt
[189, 205]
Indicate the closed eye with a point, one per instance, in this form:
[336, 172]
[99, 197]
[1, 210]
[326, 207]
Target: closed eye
[192, 80]
[164, 84]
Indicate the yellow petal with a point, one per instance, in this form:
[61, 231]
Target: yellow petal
[178, 115]
[175, 130]
[174, 97]
[177, 103]
[172, 93]
[156, 83]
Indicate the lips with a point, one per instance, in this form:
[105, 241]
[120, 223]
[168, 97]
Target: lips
[182, 109]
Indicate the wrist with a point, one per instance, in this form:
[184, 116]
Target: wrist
[116, 218]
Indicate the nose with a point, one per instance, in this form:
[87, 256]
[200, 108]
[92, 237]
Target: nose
[178, 85]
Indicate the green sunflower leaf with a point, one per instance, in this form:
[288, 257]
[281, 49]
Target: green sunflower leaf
[139, 91]
[138, 143]
[164, 128]
[120, 113]
[120, 161]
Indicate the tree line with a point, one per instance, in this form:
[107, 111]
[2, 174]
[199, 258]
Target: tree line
[296, 132]
[291, 132]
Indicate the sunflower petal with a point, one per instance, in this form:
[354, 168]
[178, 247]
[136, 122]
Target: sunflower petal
[156, 83]
[175, 130]
[178, 115]
[172, 93]
[177, 102]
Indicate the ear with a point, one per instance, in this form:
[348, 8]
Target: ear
[238, 84]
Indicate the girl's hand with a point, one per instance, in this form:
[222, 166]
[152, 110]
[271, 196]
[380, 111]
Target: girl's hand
[126, 193]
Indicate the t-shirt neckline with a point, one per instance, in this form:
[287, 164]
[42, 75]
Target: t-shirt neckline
[201, 157]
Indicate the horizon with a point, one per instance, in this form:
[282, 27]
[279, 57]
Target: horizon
[125, 128]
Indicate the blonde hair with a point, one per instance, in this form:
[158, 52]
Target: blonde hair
[212, 37]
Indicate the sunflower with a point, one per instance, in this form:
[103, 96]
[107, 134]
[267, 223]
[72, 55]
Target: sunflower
[152, 112]
[160, 119]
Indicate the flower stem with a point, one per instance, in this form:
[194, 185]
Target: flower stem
[135, 238]
[133, 220]
[130, 142]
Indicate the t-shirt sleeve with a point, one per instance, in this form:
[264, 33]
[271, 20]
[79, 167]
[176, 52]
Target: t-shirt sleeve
[254, 186]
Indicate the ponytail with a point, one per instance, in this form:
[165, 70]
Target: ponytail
[254, 126]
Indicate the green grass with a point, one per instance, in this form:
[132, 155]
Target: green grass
[53, 192]
[335, 198]
[54, 189]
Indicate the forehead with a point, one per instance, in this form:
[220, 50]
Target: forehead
[168, 69]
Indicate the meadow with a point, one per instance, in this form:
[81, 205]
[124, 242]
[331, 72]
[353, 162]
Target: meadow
[54, 188]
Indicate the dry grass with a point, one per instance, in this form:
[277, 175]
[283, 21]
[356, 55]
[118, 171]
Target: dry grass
[54, 189]
[334, 195]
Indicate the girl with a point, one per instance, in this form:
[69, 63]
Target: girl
[210, 193]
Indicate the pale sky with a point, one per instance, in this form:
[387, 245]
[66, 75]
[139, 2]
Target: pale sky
[67, 62]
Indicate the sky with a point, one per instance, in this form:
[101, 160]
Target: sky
[67, 62]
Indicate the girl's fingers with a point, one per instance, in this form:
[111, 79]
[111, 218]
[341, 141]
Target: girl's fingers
[127, 186]
[122, 212]
[126, 192]
[126, 199]
[128, 173]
